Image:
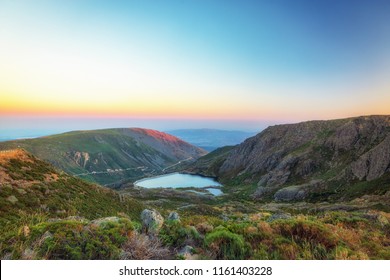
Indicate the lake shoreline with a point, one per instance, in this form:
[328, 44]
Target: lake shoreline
[181, 180]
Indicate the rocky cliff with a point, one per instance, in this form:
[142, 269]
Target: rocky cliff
[312, 159]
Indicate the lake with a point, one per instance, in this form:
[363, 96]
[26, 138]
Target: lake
[180, 180]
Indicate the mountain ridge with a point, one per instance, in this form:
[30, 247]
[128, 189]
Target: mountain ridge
[109, 155]
[311, 159]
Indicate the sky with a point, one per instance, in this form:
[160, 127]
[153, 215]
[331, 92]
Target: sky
[68, 65]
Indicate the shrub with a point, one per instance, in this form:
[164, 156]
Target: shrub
[302, 231]
[227, 245]
[173, 233]
[77, 240]
[143, 247]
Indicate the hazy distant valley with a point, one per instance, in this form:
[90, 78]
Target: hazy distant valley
[211, 139]
[312, 190]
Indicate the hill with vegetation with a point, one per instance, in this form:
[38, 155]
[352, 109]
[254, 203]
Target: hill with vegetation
[110, 155]
[311, 161]
[313, 190]
[47, 214]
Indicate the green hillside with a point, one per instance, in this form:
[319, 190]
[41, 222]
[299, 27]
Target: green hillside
[33, 192]
[110, 155]
[46, 214]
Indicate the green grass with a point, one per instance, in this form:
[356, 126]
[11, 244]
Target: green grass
[72, 239]
[107, 149]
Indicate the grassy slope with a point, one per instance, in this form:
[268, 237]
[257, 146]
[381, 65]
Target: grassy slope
[109, 148]
[33, 191]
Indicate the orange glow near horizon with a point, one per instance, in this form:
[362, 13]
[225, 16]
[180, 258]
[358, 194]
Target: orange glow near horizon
[60, 64]
[173, 106]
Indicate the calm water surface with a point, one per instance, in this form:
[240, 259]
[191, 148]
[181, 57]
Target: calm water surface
[179, 180]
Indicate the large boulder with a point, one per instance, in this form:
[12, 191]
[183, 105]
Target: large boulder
[290, 194]
[152, 221]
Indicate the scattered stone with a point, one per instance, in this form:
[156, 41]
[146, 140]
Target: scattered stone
[225, 217]
[28, 254]
[152, 221]
[279, 216]
[53, 220]
[186, 252]
[81, 219]
[12, 199]
[173, 216]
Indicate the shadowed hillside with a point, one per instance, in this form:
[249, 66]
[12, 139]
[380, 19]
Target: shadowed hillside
[315, 160]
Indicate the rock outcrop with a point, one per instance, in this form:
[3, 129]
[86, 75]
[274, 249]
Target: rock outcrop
[152, 221]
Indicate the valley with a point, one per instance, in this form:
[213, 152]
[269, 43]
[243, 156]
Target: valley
[312, 190]
[211, 139]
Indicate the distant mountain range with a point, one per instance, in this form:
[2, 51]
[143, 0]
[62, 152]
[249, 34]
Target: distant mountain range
[109, 155]
[315, 160]
[211, 139]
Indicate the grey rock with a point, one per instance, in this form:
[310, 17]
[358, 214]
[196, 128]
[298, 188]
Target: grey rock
[186, 252]
[374, 163]
[152, 221]
[28, 254]
[290, 193]
[173, 216]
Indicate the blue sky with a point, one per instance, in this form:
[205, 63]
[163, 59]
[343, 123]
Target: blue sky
[227, 61]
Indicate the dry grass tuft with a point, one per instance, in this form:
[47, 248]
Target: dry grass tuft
[143, 247]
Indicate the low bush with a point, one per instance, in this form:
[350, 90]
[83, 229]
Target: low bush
[226, 245]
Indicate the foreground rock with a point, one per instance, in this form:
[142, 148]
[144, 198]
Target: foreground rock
[152, 221]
